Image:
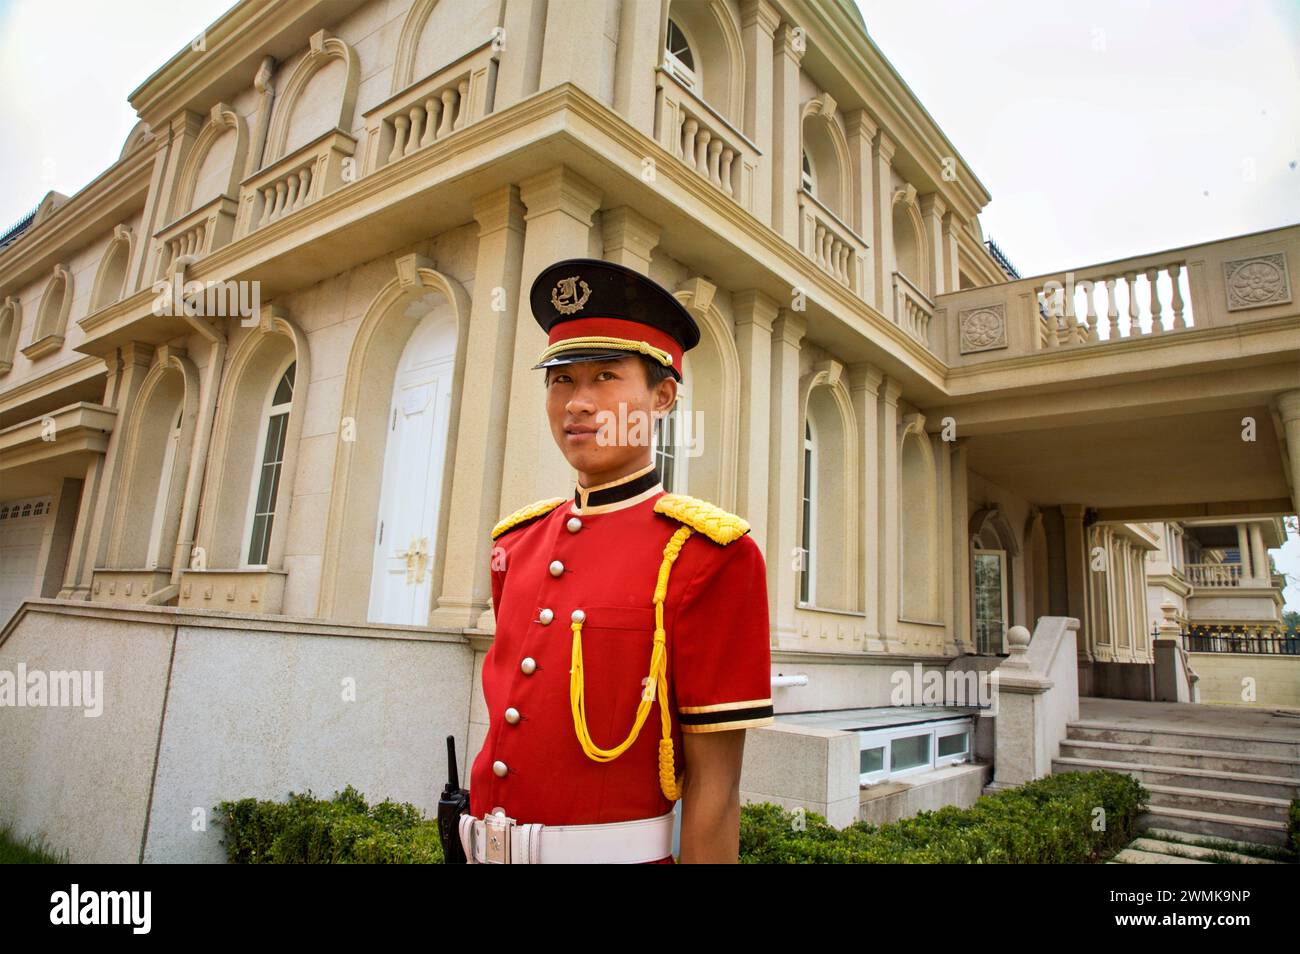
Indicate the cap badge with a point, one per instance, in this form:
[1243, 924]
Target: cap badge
[565, 296]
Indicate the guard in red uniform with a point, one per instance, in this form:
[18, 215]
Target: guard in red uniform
[625, 615]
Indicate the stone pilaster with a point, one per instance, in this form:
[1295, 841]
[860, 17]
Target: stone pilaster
[481, 434]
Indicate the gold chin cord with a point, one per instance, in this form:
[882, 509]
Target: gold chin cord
[656, 682]
[612, 344]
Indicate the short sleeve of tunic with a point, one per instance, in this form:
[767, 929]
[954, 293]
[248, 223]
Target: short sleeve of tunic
[720, 651]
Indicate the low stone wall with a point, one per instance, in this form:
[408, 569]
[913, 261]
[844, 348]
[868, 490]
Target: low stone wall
[189, 708]
[1238, 679]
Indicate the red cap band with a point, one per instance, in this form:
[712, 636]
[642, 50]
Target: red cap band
[617, 328]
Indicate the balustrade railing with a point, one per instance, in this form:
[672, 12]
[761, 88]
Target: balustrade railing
[831, 244]
[432, 109]
[695, 133]
[913, 311]
[297, 180]
[1214, 574]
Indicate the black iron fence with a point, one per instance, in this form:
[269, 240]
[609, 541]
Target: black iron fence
[1250, 640]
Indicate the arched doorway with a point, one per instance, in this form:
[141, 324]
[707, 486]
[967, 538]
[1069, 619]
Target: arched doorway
[414, 458]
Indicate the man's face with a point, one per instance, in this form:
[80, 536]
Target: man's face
[602, 412]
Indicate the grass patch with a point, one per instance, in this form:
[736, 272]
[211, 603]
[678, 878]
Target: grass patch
[28, 851]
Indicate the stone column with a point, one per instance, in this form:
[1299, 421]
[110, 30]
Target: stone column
[861, 133]
[961, 608]
[481, 432]
[1244, 554]
[520, 66]
[560, 208]
[887, 565]
[574, 44]
[1258, 554]
[882, 226]
[864, 386]
[785, 444]
[933, 209]
[754, 313]
[1288, 409]
[758, 23]
[629, 237]
[641, 33]
[943, 581]
[174, 146]
[127, 369]
[787, 133]
[1077, 570]
[951, 261]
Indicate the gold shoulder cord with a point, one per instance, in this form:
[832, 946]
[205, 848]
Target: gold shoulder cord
[657, 681]
[721, 527]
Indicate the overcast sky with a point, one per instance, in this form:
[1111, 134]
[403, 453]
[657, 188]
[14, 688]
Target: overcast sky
[1103, 129]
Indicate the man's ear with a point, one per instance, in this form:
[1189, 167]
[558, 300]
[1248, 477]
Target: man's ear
[665, 394]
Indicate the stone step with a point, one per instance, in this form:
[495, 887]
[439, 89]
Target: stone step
[1260, 807]
[1134, 856]
[1214, 825]
[1274, 766]
[1176, 738]
[1196, 851]
[1233, 844]
[1209, 778]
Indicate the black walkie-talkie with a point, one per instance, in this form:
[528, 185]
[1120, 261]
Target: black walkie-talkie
[453, 804]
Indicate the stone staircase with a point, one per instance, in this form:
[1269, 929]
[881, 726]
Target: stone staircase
[1212, 784]
[1159, 846]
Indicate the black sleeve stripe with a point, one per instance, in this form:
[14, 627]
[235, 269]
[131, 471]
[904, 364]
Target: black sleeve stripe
[724, 716]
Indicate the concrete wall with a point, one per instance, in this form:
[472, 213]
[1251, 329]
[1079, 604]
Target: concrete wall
[201, 707]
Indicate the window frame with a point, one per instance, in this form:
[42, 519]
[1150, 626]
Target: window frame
[684, 74]
[808, 505]
[269, 410]
[886, 736]
[673, 467]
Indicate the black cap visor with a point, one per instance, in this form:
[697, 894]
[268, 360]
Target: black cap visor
[572, 357]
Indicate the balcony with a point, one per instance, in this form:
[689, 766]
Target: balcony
[1174, 295]
[432, 109]
[836, 249]
[913, 311]
[294, 181]
[1213, 574]
[695, 133]
[196, 234]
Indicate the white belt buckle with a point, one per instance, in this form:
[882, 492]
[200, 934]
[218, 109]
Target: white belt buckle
[497, 831]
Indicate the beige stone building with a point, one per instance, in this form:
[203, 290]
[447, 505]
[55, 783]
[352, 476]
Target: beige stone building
[265, 389]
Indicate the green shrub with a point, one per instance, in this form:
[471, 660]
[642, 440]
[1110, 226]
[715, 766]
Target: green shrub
[341, 830]
[1046, 821]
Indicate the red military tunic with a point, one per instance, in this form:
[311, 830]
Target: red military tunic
[606, 563]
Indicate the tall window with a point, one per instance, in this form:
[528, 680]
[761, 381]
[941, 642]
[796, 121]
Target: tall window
[809, 512]
[678, 57]
[806, 175]
[275, 424]
[671, 452]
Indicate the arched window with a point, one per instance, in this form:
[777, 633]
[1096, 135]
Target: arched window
[266, 478]
[810, 463]
[806, 177]
[678, 57]
[673, 438]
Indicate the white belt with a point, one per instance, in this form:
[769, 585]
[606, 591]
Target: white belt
[499, 839]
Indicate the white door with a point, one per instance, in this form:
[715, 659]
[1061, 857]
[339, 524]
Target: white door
[22, 523]
[407, 539]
